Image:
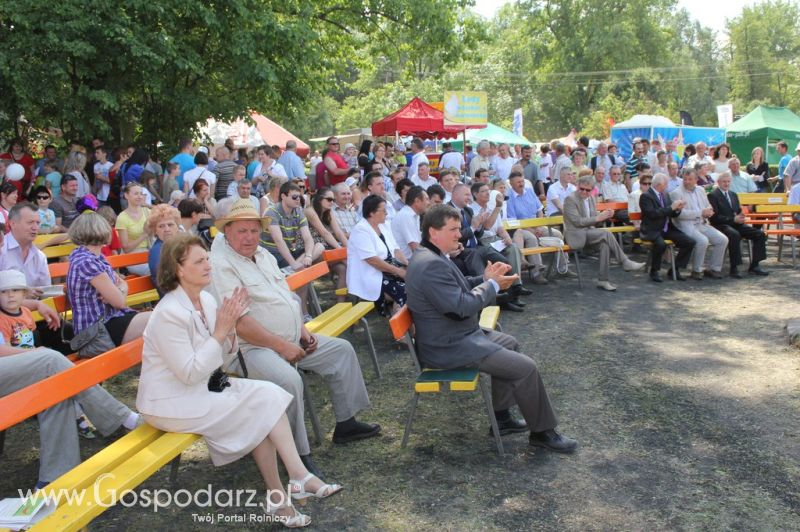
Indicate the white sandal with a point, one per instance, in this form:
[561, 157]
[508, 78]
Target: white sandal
[297, 520]
[299, 493]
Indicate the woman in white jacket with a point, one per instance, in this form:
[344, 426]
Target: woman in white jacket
[183, 388]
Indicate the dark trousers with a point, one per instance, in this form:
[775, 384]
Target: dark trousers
[516, 380]
[735, 234]
[472, 261]
[684, 243]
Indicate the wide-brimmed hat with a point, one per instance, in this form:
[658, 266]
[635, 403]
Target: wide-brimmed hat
[13, 280]
[242, 209]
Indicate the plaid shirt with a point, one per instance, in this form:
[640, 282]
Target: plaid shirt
[347, 217]
[87, 308]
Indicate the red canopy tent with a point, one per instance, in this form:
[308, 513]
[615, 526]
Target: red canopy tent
[416, 118]
[273, 133]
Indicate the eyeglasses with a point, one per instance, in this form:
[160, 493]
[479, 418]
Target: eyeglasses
[644, 183]
[327, 199]
[586, 189]
[42, 197]
[295, 197]
[333, 144]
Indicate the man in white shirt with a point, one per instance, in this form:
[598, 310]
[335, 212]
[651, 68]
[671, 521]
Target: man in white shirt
[602, 159]
[102, 183]
[373, 184]
[423, 177]
[19, 252]
[451, 158]
[448, 181]
[346, 214]
[559, 191]
[481, 159]
[740, 182]
[503, 162]
[701, 155]
[418, 157]
[243, 191]
[613, 191]
[406, 226]
[200, 171]
[562, 161]
[674, 180]
[693, 221]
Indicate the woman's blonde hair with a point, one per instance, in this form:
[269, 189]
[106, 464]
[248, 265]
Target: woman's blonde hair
[173, 253]
[90, 229]
[160, 213]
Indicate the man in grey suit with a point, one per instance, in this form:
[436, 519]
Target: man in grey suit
[580, 219]
[446, 307]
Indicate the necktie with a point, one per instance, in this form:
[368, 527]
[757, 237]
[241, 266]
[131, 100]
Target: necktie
[661, 201]
[472, 242]
[728, 197]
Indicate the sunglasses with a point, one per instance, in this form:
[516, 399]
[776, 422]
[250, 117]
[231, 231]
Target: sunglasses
[644, 184]
[295, 197]
[327, 199]
[586, 189]
[42, 197]
[333, 144]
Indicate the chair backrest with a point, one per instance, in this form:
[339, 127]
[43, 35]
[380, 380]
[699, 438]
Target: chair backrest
[760, 198]
[335, 255]
[303, 277]
[533, 222]
[54, 252]
[400, 324]
[31, 400]
[140, 284]
[613, 205]
[60, 269]
[777, 208]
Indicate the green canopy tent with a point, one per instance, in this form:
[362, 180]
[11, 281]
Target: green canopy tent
[491, 133]
[764, 126]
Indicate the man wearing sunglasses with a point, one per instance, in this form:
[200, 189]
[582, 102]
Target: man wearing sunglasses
[580, 221]
[335, 165]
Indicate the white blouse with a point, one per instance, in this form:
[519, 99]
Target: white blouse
[364, 280]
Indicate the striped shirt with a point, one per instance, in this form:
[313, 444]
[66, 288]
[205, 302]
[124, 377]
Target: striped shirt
[347, 217]
[290, 225]
[87, 308]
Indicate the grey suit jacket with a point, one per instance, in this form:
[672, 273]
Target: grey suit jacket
[577, 221]
[446, 309]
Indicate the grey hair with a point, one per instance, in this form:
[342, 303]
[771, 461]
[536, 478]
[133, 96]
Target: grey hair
[564, 169]
[482, 144]
[338, 188]
[687, 170]
[291, 145]
[724, 174]
[586, 180]
[659, 179]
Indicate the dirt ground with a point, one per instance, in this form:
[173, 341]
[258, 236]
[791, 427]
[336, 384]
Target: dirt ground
[684, 398]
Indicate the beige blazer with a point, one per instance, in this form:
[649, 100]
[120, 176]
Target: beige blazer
[179, 356]
[577, 221]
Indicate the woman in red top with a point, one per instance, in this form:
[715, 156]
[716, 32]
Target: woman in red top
[16, 154]
[335, 165]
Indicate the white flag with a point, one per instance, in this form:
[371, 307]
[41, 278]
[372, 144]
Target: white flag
[517, 128]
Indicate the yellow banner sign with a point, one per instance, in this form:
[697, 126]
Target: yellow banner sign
[465, 108]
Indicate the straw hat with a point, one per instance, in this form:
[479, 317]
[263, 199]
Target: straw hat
[242, 209]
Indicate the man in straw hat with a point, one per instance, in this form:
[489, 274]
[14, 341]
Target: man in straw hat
[272, 335]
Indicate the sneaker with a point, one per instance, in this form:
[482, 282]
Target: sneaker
[631, 266]
[540, 279]
[86, 430]
[605, 285]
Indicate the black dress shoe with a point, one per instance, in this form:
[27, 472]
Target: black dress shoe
[311, 466]
[524, 291]
[510, 426]
[656, 277]
[735, 274]
[359, 431]
[518, 302]
[508, 305]
[756, 270]
[678, 276]
[553, 441]
[712, 274]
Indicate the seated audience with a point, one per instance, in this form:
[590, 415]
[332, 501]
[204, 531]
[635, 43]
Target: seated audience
[344, 211]
[448, 334]
[47, 218]
[130, 226]
[657, 226]
[114, 247]
[191, 213]
[740, 182]
[729, 220]
[22, 364]
[406, 225]
[64, 204]
[203, 196]
[325, 231]
[18, 251]
[162, 225]
[423, 177]
[614, 191]
[273, 337]
[693, 221]
[188, 343]
[375, 265]
[559, 191]
[581, 232]
[288, 238]
[436, 194]
[95, 291]
[242, 190]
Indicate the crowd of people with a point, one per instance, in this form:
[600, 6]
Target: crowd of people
[222, 232]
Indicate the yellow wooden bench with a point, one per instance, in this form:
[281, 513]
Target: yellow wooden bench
[55, 252]
[648, 244]
[782, 231]
[435, 380]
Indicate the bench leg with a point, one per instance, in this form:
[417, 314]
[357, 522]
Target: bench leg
[173, 471]
[312, 411]
[312, 294]
[2, 440]
[578, 268]
[410, 419]
[372, 348]
[671, 250]
[794, 252]
[487, 399]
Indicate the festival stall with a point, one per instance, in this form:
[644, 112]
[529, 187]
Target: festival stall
[662, 128]
[244, 135]
[763, 127]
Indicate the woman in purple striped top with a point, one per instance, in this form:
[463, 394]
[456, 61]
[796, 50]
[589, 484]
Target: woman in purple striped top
[95, 291]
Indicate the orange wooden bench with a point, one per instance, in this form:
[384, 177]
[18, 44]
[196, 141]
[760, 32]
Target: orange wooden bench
[59, 269]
